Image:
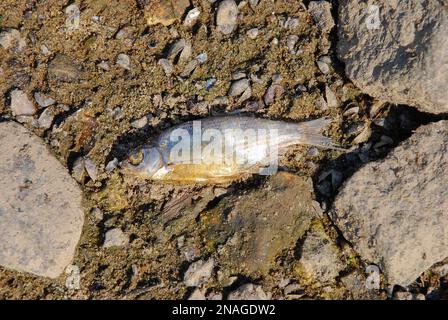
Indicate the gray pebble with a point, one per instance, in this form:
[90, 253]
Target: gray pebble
[115, 238]
[43, 101]
[166, 65]
[112, 165]
[46, 118]
[253, 33]
[239, 87]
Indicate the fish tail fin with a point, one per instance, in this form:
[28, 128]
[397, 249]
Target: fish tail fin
[310, 133]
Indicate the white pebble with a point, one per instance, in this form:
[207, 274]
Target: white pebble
[46, 118]
[115, 238]
[226, 17]
[140, 123]
[124, 61]
[166, 65]
[73, 280]
[239, 87]
[332, 100]
[91, 169]
[20, 104]
[192, 17]
[11, 39]
[323, 67]
[253, 33]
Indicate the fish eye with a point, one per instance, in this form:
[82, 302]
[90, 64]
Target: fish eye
[136, 157]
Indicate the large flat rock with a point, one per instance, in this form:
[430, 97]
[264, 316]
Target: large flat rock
[395, 211]
[263, 223]
[397, 51]
[41, 217]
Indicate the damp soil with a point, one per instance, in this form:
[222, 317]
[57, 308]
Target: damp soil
[168, 225]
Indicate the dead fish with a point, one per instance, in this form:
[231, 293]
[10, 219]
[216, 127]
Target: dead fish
[222, 149]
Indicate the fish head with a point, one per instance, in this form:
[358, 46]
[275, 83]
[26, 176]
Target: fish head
[144, 162]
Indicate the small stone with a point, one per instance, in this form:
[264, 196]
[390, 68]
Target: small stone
[44, 50]
[124, 61]
[351, 112]
[112, 165]
[115, 238]
[214, 296]
[43, 101]
[294, 291]
[245, 96]
[182, 48]
[46, 118]
[98, 214]
[301, 88]
[248, 291]
[273, 92]
[73, 280]
[284, 282]
[364, 135]
[253, 106]
[140, 123]
[165, 12]
[356, 283]
[192, 17]
[63, 69]
[210, 83]
[200, 108]
[332, 101]
[291, 43]
[253, 33]
[254, 3]
[123, 33]
[238, 75]
[11, 39]
[78, 170]
[321, 13]
[277, 78]
[203, 57]
[166, 65]
[400, 295]
[73, 17]
[239, 87]
[91, 169]
[189, 68]
[323, 67]
[227, 16]
[199, 272]
[20, 104]
[292, 23]
[197, 295]
[104, 65]
[220, 101]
